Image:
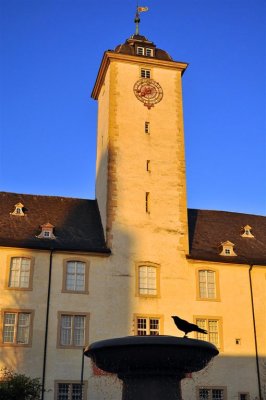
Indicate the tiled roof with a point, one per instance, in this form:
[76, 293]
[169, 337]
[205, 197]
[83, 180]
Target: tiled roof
[77, 223]
[208, 229]
[78, 227]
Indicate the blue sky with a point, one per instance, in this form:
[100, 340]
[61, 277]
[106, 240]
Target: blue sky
[51, 51]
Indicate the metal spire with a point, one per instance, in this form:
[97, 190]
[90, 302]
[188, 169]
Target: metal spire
[137, 20]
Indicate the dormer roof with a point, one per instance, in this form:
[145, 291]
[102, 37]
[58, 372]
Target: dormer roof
[130, 48]
[208, 229]
[77, 223]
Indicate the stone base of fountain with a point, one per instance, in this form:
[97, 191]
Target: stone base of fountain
[151, 365]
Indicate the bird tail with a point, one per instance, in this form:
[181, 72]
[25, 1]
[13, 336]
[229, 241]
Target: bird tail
[202, 331]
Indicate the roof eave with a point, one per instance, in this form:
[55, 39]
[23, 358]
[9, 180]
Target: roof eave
[229, 260]
[92, 251]
[111, 56]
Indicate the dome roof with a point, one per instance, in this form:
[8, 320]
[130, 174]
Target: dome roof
[136, 41]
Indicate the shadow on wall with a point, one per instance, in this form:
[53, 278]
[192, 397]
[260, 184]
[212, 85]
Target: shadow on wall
[232, 374]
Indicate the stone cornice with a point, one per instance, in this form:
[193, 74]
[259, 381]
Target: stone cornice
[110, 56]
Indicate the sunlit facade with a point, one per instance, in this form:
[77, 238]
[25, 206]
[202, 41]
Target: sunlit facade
[76, 271]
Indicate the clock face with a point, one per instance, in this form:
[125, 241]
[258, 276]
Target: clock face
[148, 91]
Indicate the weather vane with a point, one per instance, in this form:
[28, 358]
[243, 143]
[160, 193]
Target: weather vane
[137, 18]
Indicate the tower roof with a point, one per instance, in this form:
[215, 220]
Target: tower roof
[136, 41]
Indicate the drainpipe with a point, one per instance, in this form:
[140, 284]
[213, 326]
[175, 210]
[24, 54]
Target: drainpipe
[81, 375]
[46, 324]
[255, 332]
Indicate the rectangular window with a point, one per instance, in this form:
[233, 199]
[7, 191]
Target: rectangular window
[75, 276]
[147, 127]
[16, 327]
[211, 394]
[147, 326]
[147, 202]
[19, 274]
[147, 280]
[145, 73]
[207, 284]
[149, 52]
[140, 51]
[73, 330]
[213, 326]
[70, 391]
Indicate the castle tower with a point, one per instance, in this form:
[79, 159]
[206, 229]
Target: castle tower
[141, 182]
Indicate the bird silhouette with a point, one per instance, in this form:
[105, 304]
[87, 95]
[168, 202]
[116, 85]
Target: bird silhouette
[187, 327]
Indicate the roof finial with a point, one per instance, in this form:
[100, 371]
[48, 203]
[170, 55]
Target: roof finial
[137, 18]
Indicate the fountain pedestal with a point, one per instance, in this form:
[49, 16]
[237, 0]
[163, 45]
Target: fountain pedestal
[151, 366]
[154, 387]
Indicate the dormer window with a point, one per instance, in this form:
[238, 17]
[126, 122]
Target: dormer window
[140, 51]
[149, 52]
[47, 231]
[246, 232]
[227, 249]
[18, 210]
[144, 51]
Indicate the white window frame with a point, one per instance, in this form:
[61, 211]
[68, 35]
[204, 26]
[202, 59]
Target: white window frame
[70, 386]
[69, 330]
[149, 52]
[207, 284]
[77, 276]
[214, 327]
[144, 325]
[16, 329]
[140, 51]
[246, 233]
[145, 73]
[227, 249]
[148, 280]
[19, 277]
[18, 210]
[47, 231]
[210, 393]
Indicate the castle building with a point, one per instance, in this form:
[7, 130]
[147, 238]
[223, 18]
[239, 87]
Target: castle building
[74, 271]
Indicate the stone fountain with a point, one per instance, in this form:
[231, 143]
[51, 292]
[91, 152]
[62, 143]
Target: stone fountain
[151, 366]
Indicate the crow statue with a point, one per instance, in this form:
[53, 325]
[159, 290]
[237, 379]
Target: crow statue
[187, 327]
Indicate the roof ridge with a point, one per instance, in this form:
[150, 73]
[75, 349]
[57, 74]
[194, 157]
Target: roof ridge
[44, 195]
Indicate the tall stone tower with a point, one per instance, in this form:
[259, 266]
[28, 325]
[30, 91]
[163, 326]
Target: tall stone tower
[141, 185]
[141, 182]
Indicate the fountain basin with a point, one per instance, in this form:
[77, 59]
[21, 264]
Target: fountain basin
[151, 364]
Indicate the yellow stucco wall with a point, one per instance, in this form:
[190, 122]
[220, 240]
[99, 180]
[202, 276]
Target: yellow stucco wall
[159, 237]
